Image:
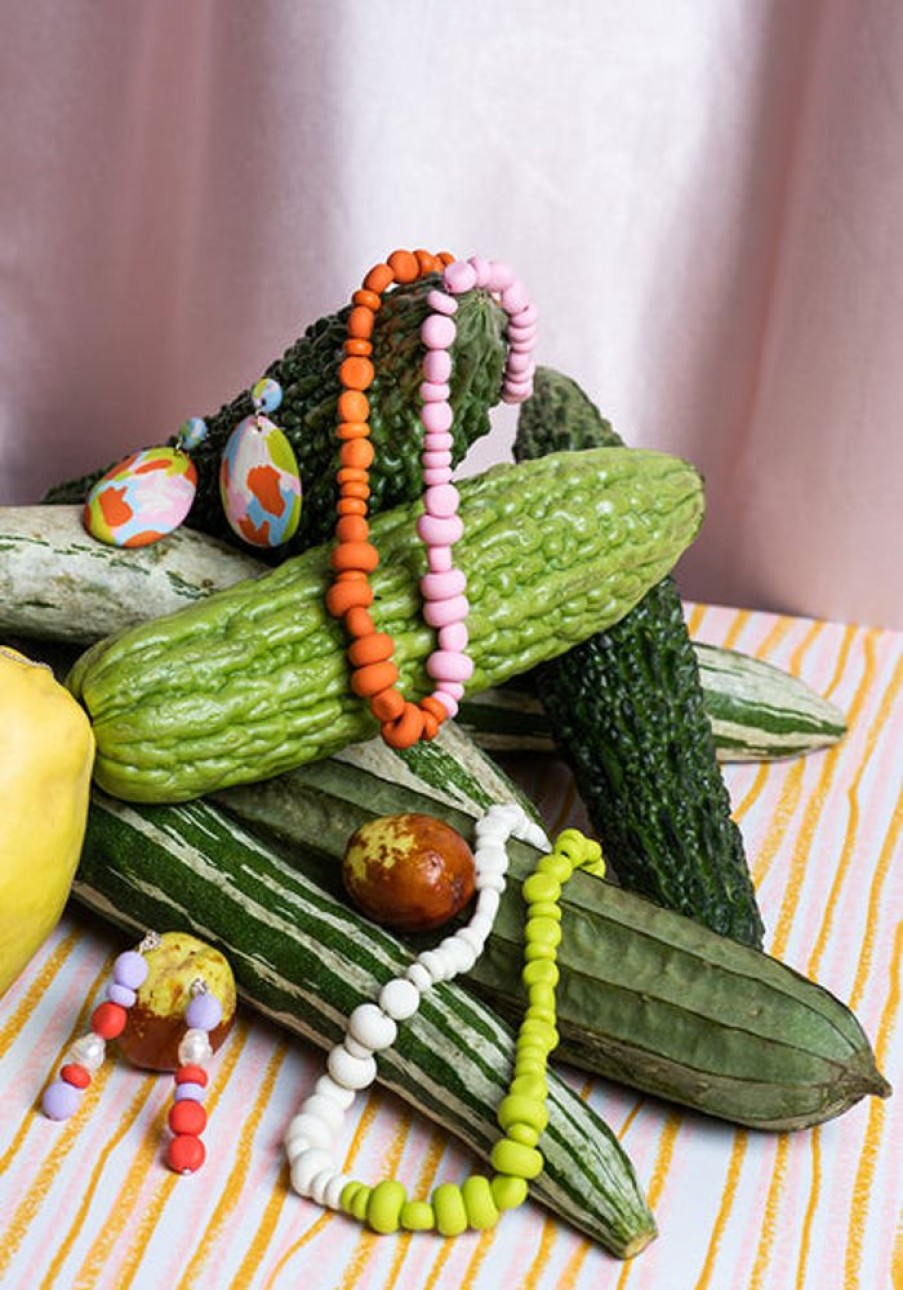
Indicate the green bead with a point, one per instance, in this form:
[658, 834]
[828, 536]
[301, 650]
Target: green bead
[546, 909]
[531, 1086]
[544, 931]
[547, 1016]
[522, 1110]
[360, 1201]
[536, 1029]
[556, 866]
[385, 1205]
[534, 952]
[349, 1191]
[575, 846]
[541, 886]
[509, 1157]
[508, 1192]
[448, 1206]
[530, 1063]
[542, 995]
[417, 1216]
[525, 1134]
[482, 1211]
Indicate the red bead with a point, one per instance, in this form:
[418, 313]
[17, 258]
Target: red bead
[108, 1020]
[185, 1154]
[77, 1076]
[191, 1074]
[187, 1117]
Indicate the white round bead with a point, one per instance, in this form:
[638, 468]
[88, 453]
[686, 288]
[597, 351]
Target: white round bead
[370, 1026]
[195, 1050]
[319, 1184]
[535, 835]
[351, 1072]
[436, 963]
[357, 1049]
[307, 1166]
[332, 1197]
[418, 974]
[471, 937]
[325, 1109]
[399, 999]
[317, 1131]
[327, 1087]
[87, 1051]
[491, 882]
[490, 858]
[462, 955]
[295, 1147]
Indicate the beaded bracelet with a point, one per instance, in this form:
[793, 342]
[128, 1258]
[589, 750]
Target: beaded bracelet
[374, 674]
[522, 1114]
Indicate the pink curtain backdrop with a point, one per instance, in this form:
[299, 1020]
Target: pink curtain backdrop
[706, 199]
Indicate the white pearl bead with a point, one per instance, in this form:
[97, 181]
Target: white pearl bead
[418, 974]
[319, 1184]
[490, 859]
[461, 954]
[370, 1026]
[337, 1093]
[332, 1197]
[492, 830]
[357, 1049]
[317, 1131]
[351, 1072]
[88, 1051]
[399, 999]
[325, 1109]
[491, 882]
[472, 938]
[436, 963]
[307, 1166]
[195, 1050]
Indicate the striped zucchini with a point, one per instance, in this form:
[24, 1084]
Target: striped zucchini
[305, 960]
[646, 997]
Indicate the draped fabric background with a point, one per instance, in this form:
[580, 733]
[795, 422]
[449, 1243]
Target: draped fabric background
[705, 197]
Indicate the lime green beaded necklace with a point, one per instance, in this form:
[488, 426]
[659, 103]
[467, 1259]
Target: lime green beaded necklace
[522, 1114]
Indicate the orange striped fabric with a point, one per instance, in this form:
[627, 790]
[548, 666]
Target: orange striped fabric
[90, 1203]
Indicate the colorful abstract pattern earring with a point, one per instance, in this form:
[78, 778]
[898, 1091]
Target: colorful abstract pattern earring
[148, 494]
[260, 484]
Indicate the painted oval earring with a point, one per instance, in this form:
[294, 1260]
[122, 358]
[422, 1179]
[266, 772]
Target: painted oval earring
[260, 484]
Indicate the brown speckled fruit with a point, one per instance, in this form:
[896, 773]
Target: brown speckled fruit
[156, 1021]
[410, 871]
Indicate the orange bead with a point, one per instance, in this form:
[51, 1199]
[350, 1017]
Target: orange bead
[360, 322]
[344, 596]
[367, 299]
[354, 556]
[404, 265]
[406, 730]
[353, 430]
[379, 277]
[108, 1020]
[427, 261]
[373, 678]
[388, 705]
[430, 725]
[356, 373]
[185, 1154]
[358, 622]
[375, 648]
[446, 257]
[358, 348]
[353, 406]
[351, 506]
[357, 452]
[351, 575]
[187, 1116]
[352, 528]
[355, 489]
[435, 706]
[351, 475]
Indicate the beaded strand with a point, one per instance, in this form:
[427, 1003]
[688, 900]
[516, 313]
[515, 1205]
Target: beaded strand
[187, 1117]
[374, 674]
[522, 1114]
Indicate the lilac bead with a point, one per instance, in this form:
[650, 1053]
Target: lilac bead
[501, 275]
[434, 391]
[121, 994]
[437, 365]
[60, 1100]
[433, 475]
[440, 613]
[450, 704]
[459, 276]
[442, 303]
[515, 298]
[438, 440]
[480, 268]
[438, 332]
[439, 559]
[130, 970]
[449, 665]
[442, 500]
[189, 1092]
[442, 586]
[454, 637]
[432, 459]
[440, 531]
[204, 1012]
[437, 418]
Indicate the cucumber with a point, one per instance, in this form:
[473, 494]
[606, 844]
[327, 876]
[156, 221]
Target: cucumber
[254, 679]
[305, 960]
[627, 710]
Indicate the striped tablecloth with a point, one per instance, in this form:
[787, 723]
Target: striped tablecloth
[90, 1203]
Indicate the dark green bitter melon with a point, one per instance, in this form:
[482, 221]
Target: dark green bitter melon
[308, 374]
[628, 714]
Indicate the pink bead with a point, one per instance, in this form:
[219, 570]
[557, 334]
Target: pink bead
[441, 500]
[515, 298]
[522, 335]
[451, 705]
[518, 361]
[442, 613]
[434, 391]
[438, 441]
[439, 559]
[480, 268]
[441, 303]
[527, 317]
[454, 689]
[436, 531]
[438, 332]
[437, 365]
[459, 277]
[517, 393]
[434, 475]
[449, 665]
[432, 459]
[501, 275]
[454, 636]
[437, 417]
[442, 586]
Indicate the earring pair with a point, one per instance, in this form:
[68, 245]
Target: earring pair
[187, 1120]
[149, 494]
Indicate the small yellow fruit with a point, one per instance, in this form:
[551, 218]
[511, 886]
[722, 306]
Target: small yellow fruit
[46, 758]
